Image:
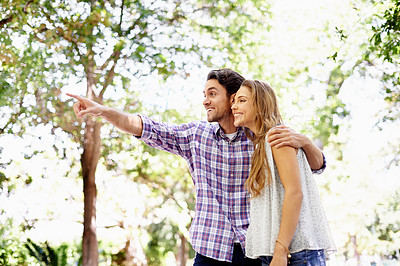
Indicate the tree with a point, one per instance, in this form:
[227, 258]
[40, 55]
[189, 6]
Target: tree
[380, 50]
[386, 225]
[385, 45]
[367, 49]
[104, 44]
[383, 54]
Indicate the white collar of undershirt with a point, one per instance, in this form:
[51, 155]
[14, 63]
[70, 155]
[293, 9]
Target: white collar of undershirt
[231, 135]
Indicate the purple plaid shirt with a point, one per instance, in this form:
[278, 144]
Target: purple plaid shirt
[219, 167]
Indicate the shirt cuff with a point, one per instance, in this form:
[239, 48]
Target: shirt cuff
[322, 169]
[146, 128]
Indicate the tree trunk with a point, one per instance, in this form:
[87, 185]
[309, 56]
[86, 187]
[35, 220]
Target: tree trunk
[134, 253]
[90, 158]
[183, 251]
[356, 254]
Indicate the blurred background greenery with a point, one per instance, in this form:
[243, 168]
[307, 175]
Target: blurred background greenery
[334, 65]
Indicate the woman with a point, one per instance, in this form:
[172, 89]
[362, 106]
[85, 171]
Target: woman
[287, 221]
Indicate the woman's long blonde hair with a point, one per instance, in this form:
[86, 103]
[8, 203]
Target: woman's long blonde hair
[267, 116]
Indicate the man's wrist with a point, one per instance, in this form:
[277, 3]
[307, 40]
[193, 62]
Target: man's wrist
[107, 113]
[306, 142]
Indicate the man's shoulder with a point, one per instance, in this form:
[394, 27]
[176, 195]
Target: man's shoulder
[203, 125]
[203, 128]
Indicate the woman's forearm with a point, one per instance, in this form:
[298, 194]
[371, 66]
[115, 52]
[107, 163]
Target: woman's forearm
[290, 215]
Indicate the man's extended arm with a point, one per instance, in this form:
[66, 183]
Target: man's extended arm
[284, 136]
[127, 122]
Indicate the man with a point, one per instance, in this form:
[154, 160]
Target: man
[218, 155]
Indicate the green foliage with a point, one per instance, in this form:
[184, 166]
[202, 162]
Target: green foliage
[106, 44]
[62, 254]
[3, 178]
[326, 123]
[5, 88]
[164, 238]
[386, 225]
[44, 254]
[385, 41]
[384, 44]
[10, 243]
[233, 25]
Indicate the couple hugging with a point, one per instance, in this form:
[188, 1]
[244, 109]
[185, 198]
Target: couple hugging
[256, 199]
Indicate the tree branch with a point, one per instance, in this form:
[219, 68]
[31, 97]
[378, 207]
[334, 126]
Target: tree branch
[10, 18]
[110, 75]
[121, 16]
[27, 5]
[5, 21]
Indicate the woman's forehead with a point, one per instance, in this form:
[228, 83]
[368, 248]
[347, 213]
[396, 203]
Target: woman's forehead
[243, 91]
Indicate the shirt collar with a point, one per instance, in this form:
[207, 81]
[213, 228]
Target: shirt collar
[219, 133]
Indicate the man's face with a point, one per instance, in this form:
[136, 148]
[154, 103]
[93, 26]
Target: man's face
[216, 101]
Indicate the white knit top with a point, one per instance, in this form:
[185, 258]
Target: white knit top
[312, 231]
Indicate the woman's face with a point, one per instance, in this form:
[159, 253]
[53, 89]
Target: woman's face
[243, 109]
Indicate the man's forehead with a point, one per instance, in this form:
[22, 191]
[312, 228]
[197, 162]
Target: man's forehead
[213, 84]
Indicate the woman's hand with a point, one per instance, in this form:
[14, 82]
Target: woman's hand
[280, 257]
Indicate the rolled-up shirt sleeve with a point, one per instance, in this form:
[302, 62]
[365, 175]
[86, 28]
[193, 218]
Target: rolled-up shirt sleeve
[168, 137]
[323, 167]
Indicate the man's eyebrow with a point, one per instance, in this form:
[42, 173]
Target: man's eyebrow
[209, 89]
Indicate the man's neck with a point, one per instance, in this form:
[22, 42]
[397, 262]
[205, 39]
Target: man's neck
[227, 126]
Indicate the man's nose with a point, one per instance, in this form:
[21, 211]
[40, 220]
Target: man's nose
[206, 101]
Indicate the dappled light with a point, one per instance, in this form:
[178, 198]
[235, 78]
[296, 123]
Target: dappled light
[83, 191]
